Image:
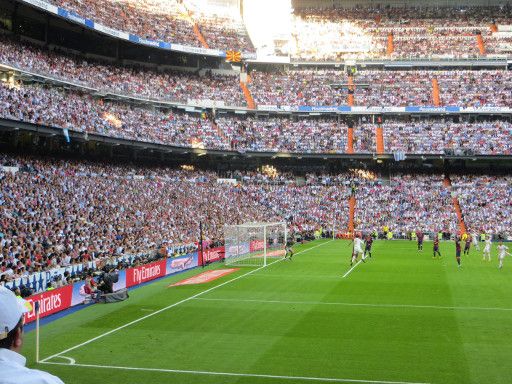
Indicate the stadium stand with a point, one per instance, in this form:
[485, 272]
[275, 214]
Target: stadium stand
[170, 21]
[416, 32]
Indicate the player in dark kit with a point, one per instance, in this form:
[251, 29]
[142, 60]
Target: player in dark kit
[419, 236]
[436, 247]
[457, 250]
[368, 245]
[289, 251]
[467, 245]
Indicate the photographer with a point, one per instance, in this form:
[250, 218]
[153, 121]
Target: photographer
[107, 281]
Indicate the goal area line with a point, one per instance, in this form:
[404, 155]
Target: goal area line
[234, 374]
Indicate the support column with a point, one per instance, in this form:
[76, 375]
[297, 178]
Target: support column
[379, 136]
[435, 93]
[391, 45]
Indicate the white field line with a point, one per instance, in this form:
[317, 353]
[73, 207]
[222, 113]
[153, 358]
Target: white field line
[351, 269]
[234, 374]
[360, 304]
[169, 307]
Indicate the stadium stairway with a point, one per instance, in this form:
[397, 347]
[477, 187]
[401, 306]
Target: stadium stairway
[351, 213]
[462, 226]
[200, 36]
[494, 28]
[220, 132]
[391, 45]
[247, 93]
[480, 42]
[435, 93]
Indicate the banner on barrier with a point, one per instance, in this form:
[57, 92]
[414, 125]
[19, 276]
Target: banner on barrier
[182, 263]
[257, 245]
[50, 302]
[144, 273]
[44, 5]
[214, 254]
[111, 31]
[432, 109]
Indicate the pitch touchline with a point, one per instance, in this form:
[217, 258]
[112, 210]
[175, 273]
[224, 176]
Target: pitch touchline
[169, 307]
[303, 378]
[360, 304]
[351, 269]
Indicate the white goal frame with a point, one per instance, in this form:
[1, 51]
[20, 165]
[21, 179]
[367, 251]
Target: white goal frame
[235, 253]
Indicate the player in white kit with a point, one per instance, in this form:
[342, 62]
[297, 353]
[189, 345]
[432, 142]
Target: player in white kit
[476, 244]
[358, 249]
[502, 252]
[487, 248]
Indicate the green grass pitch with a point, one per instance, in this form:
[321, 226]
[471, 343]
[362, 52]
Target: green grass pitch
[401, 317]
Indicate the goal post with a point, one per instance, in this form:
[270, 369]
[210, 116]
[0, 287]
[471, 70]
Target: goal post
[254, 244]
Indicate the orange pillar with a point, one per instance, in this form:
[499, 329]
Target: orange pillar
[350, 140]
[494, 28]
[379, 136]
[248, 97]
[480, 43]
[200, 36]
[391, 44]
[351, 213]
[351, 90]
[435, 93]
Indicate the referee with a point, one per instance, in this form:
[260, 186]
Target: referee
[12, 364]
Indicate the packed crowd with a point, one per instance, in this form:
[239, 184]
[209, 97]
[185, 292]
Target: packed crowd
[362, 32]
[290, 134]
[486, 202]
[164, 20]
[475, 88]
[406, 203]
[59, 213]
[378, 88]
[324, 87]
[175, 86]
[299, 87]
[81, 112]
[443, 135]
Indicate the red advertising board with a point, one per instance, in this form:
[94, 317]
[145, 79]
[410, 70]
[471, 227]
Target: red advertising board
[257, 245]
[148, 272]
[214, 254]
[50, 302]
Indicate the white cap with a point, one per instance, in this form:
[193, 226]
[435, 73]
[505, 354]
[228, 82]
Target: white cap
[11, 310]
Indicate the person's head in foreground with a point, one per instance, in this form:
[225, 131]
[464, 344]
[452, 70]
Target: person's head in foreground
[12, 364]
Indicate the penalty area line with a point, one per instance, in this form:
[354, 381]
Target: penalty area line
[234, 374]
[45, 360]
[351, 269]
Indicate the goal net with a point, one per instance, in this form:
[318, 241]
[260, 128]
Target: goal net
[254, 244]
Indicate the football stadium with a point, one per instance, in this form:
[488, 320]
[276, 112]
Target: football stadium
[255, 191]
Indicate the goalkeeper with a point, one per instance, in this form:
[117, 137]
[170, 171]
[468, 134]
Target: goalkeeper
[289, 250]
